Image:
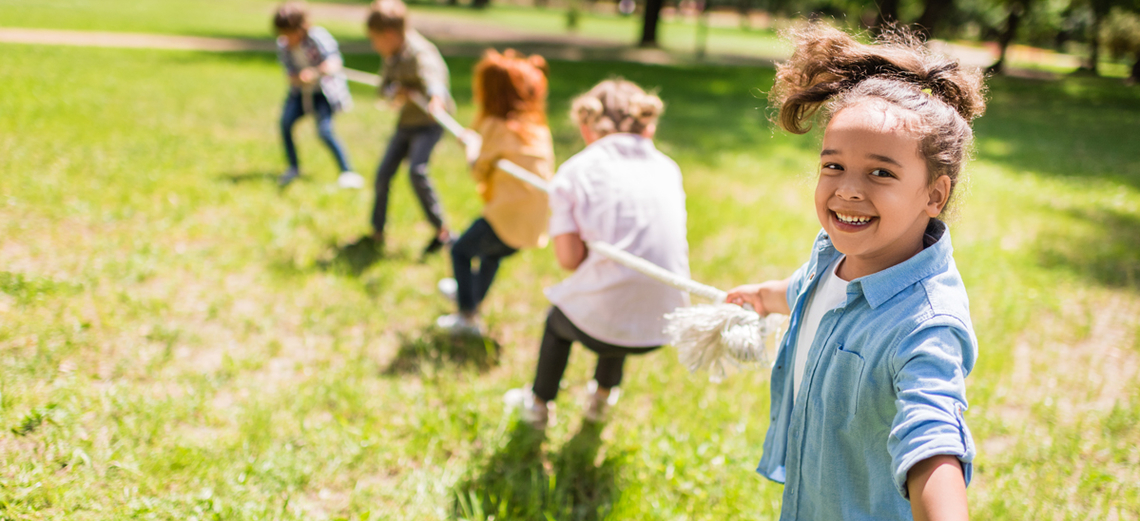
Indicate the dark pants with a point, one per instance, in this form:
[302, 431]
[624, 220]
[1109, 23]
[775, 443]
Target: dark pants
[293, 110]
[555, 353]
[479, 241]
[416, 144]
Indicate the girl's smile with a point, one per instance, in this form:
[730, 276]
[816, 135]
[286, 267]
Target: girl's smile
[874, 197]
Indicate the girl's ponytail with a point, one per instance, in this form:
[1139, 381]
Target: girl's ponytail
[828, 62]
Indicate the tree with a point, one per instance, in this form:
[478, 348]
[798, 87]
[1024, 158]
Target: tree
[1017, 9]
[1122, 38]
[932, 15]
[1100, 10]
[649, 28]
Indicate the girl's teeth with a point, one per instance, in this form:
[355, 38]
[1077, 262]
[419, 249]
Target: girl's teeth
[852, 219]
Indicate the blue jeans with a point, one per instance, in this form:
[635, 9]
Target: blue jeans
[293, 110]
[479, 241]
[416, 144]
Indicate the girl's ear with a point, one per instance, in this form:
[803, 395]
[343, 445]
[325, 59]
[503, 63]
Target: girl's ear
[939, 192]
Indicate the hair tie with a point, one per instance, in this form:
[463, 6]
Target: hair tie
[928, 92]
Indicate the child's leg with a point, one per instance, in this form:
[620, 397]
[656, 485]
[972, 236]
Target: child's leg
[553, 355]
[462, 253]
[397, 150]
[324, 114]
[480, 241]
[423, 140]
[608, 372]
[290, 113]
[492, 251]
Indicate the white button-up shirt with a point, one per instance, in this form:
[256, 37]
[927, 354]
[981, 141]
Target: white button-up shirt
[622, 191]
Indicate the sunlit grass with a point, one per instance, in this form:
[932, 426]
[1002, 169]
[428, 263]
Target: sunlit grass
[180, 339]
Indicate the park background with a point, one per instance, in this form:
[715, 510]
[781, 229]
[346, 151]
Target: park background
[181, 340]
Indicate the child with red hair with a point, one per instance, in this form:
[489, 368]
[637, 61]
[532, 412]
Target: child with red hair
[510, 92]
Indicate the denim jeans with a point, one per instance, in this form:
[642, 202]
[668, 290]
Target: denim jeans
[293, 110]
[415, 143]
[555, 353]
[479, 241]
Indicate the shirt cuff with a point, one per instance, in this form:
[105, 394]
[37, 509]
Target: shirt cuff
[938, 439]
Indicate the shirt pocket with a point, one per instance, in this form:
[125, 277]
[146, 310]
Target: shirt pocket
[844, 377]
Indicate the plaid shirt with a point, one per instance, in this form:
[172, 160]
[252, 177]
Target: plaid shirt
[417, 67]
[317, 46]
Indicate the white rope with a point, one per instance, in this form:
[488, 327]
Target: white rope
[712, 337]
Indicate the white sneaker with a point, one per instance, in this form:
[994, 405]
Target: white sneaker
[598, 405]
[448, 288]
[350, 180]
[530, 411]
[457, 324]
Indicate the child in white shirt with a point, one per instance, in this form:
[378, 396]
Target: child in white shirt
[622, 191]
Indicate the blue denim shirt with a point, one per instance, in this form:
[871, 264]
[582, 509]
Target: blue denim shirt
[883, 389]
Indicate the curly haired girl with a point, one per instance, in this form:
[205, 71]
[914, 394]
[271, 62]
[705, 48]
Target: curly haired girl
[868, 389]
[510, 92]
[622, 191]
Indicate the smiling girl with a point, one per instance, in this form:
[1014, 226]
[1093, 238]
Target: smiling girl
[868, 389]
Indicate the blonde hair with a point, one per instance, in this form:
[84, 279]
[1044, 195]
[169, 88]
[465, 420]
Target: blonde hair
[616, 105]
[830, 71]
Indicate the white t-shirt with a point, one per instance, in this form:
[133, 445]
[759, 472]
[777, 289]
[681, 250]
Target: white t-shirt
[829, 293]
[622, 191]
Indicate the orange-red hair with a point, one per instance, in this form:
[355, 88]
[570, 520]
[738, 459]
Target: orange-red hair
[511, 86]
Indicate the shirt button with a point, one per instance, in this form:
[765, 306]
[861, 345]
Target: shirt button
[812, 276]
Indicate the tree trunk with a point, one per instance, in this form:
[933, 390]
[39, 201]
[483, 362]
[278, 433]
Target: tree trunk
[1006, 37]
[480, 4]
[1135, 76]
[744, 7]
[652, 16]
[888, 13]
[934, 11]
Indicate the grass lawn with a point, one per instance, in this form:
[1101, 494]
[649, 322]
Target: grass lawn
[251, 19]
[180, 340]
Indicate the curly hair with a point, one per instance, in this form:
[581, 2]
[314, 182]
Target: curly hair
[830, 71]
[616, 105]
[511, 86]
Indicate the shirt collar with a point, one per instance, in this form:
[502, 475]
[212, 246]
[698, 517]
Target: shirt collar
[882, 286]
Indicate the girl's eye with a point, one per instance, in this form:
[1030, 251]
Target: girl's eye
[879, 172]
[832, 166]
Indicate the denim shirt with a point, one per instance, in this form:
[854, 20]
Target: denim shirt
[883, 389]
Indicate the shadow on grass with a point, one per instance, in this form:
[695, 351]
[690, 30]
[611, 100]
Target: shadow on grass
[436, 347]
[263, 177]
[1075, 127]
[353, 258]
[1108, 253]
[516, 483]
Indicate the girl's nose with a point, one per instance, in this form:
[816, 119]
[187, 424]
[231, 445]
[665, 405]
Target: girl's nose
[849, 188]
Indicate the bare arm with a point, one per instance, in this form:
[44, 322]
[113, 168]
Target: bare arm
[570, 250]
[937, 490]
[765, 297]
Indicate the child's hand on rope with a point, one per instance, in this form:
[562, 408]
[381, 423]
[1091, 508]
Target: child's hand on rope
[309, 75]
[765, 297]
[472, 144]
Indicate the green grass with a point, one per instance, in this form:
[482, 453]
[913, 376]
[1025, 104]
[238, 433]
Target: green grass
[179, 339]
[251, 19]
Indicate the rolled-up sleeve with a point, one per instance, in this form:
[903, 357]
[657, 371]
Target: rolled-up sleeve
[563, 198]
[930, 367]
